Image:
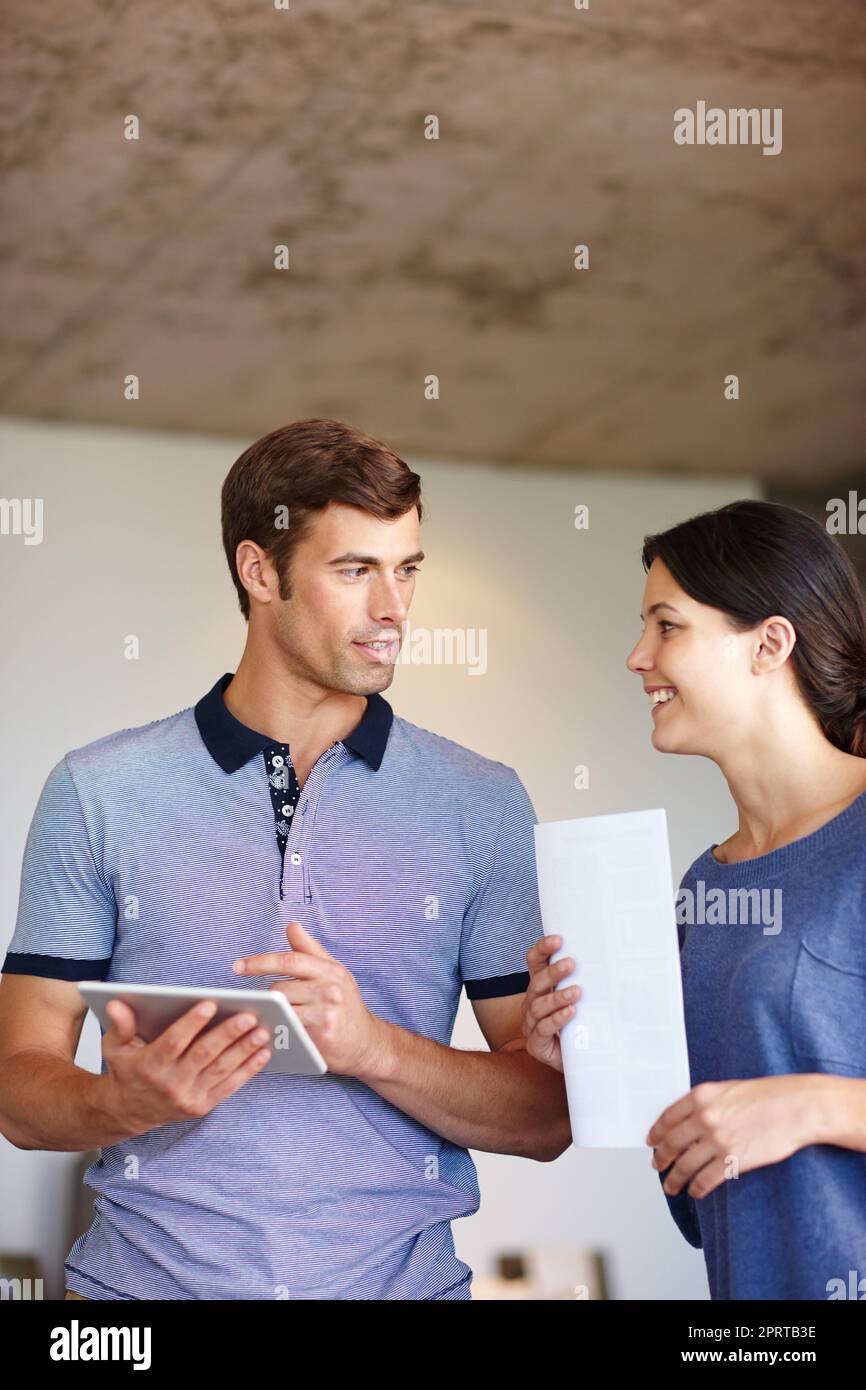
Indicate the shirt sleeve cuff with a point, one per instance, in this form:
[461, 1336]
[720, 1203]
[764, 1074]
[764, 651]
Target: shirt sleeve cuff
[55, 967]
[497, 985]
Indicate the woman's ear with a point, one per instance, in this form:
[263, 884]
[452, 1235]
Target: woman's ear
[774, 642]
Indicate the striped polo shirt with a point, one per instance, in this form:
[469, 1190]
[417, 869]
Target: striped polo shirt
[152, 859]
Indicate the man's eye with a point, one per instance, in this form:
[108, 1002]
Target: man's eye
[411, 569]
[353, 574]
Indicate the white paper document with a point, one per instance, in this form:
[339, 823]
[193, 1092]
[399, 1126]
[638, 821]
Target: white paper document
[605, 887]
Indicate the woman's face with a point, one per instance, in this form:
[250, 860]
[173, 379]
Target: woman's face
[695, 669]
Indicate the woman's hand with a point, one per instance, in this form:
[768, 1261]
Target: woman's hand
[545, 1008]
[721, 1129]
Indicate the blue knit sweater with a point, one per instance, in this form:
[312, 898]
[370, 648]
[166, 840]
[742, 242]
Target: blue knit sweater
[773, 958]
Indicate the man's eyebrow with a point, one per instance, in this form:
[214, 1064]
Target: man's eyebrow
[350, 558]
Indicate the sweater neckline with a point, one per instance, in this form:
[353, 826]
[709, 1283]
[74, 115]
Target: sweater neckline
[777, 861]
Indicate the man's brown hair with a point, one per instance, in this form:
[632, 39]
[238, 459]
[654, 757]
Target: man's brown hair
[298, 470]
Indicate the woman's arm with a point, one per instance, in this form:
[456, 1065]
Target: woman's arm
[722, 1129]
[840, 1110]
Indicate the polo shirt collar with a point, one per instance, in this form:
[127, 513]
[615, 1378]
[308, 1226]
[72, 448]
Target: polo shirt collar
[231, 744]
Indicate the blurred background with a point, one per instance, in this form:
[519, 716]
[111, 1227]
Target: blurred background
[222, 217]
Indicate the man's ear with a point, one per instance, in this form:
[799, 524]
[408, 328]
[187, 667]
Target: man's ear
[252, 565]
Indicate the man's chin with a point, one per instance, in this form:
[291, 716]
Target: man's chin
[378, 680]
[369, 681]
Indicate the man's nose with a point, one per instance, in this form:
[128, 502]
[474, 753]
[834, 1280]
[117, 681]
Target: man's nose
[388, 605]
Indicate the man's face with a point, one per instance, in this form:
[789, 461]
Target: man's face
[352, 580]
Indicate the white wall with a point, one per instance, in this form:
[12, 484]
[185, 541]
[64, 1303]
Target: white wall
[132, 545]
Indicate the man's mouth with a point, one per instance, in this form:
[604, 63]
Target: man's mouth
[380, 649]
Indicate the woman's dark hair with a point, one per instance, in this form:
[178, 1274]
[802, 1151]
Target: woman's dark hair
[753, 559]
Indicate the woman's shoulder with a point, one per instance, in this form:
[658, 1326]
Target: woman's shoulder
[699, 868]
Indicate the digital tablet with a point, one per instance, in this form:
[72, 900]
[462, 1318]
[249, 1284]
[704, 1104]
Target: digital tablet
[293, 1052]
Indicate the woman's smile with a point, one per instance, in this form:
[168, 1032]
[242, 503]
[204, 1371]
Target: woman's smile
[660, 695]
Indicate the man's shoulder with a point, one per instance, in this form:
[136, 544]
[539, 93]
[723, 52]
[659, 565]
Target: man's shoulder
[132, 746]
[454, 760]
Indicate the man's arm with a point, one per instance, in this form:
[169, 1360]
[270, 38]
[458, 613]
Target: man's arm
[46, 1101]
[501, 1101]
[65, 930]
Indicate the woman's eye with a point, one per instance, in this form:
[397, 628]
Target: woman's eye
[665, 625]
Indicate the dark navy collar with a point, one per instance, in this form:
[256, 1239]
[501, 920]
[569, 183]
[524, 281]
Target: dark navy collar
[231, 744]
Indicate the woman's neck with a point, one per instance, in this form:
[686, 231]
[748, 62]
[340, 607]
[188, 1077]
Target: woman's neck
[786, 783]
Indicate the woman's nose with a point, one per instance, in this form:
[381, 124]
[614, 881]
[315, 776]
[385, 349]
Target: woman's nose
[638, 658]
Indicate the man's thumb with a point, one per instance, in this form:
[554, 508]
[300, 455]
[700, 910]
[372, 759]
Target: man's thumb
[122, 1020]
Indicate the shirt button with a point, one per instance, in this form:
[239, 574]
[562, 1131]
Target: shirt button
[288, 810]
[296, 859]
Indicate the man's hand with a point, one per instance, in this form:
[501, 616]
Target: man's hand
[183, 1073]
[326, 998]
[721, 1129]
[545, 1008]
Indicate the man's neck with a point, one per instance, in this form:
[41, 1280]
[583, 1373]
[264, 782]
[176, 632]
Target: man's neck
[275, 701]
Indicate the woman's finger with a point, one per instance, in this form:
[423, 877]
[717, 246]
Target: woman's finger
[540, 952]
[549, 977]
[554, 1000]
[688, 1164]
[546, 1027]
[675, 1141]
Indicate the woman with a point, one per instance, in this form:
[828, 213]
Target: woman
[753, 654]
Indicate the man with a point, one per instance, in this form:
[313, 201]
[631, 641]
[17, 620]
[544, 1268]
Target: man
[180, 852]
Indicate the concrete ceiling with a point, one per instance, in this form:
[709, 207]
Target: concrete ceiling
[454, 257]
